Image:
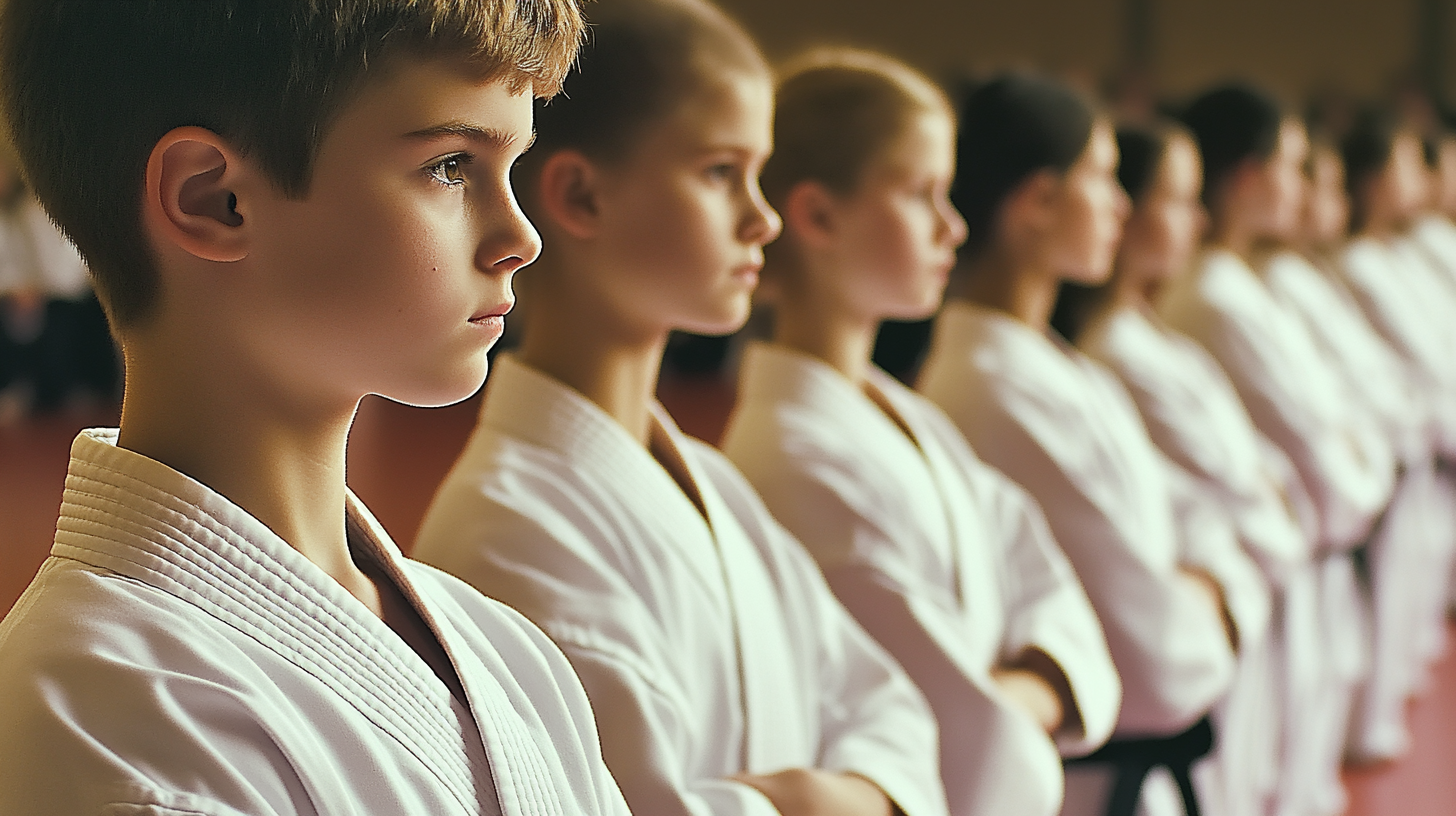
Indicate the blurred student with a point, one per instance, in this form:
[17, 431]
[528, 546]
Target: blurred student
[1409, 302]
[222, 628]
[1036, 183]
[1253, 158]
[725, 676]
[1195, 417]
[945, 561]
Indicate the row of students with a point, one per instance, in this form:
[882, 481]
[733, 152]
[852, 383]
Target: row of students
[960, 633]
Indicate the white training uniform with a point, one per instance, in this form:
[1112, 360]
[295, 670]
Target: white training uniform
[1297, 400]
[709, 646]
[1194, 415]
[945, 561]
[174, 656]
[1062, 426]
[1405, 300]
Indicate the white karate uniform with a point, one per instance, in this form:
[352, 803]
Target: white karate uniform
[708, 646]
[175, 656]
[1061, 425]
[1298, 401]
[1405, 300]
[945, 561]
[1193, 414]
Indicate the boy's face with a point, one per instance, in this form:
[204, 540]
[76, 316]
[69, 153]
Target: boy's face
[683, 222]
[393, 274]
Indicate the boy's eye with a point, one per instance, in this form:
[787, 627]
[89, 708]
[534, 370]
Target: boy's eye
[449, 171]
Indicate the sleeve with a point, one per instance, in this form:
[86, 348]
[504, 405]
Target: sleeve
[1210, 544]
[875, 723]
[648, 735]
[1346, 469]
[988, 749]
[1048, 609]
[1168, 647]
[89, 731]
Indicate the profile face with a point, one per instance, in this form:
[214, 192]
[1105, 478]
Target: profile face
[1327, 207]
[898, 232]
[1405, 176]
[1167, 221]
[1090, 210]
[1281, 189]
[393, 274]
[683, 221]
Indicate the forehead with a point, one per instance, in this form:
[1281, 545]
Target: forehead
[418, 96]
[732, 107]
[1293, 141]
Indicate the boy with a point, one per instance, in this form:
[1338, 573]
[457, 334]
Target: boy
[286, 206]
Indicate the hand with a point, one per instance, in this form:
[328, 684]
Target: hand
[812, 792]
[1203, 585]
[1033, 694]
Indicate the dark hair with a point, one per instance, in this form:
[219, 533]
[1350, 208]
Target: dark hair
[642, 59]
[1232, 124]
[1366, 150]
[1141, 149]
[89, 88]
[1010, 128]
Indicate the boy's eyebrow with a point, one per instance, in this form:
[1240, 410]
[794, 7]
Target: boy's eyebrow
[490, 136]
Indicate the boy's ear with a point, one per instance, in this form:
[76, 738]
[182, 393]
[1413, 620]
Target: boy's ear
[811, 212]
[191, 197]
[567, 189]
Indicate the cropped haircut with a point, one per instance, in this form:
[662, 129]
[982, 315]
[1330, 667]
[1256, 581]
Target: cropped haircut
[837, 111]
[643, 58]
[1011, 128]
[91, 87]
[1232, 124]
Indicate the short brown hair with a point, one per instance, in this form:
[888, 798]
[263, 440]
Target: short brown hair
[838, 110]
[89, 88]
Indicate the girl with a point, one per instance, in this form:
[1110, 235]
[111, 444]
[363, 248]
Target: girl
[948, 564]
[725, 677]
[1410, 305]
[1253, 157]
[1035, 182]
[1194, 415]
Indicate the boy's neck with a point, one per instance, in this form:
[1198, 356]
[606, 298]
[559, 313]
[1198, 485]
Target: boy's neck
[617, 371]
[284, 467]
[814, 325]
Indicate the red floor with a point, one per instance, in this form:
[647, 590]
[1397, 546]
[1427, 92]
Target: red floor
[398, 455]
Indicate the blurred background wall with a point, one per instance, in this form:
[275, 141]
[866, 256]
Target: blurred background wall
[1347, 48]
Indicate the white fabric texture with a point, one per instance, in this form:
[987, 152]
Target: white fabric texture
[175, 656]
[949, 564]
[709, 646]
[1062, 427]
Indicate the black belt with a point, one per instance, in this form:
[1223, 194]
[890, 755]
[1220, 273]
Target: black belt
[1133, 759]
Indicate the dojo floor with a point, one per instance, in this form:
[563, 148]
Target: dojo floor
[398, 455]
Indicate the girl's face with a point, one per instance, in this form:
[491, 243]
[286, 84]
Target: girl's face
[1327, 207]
[1088, 212]
[1167, 221]
[897, 234]
[1273, 197]
[682, 220]
[1399, 191]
